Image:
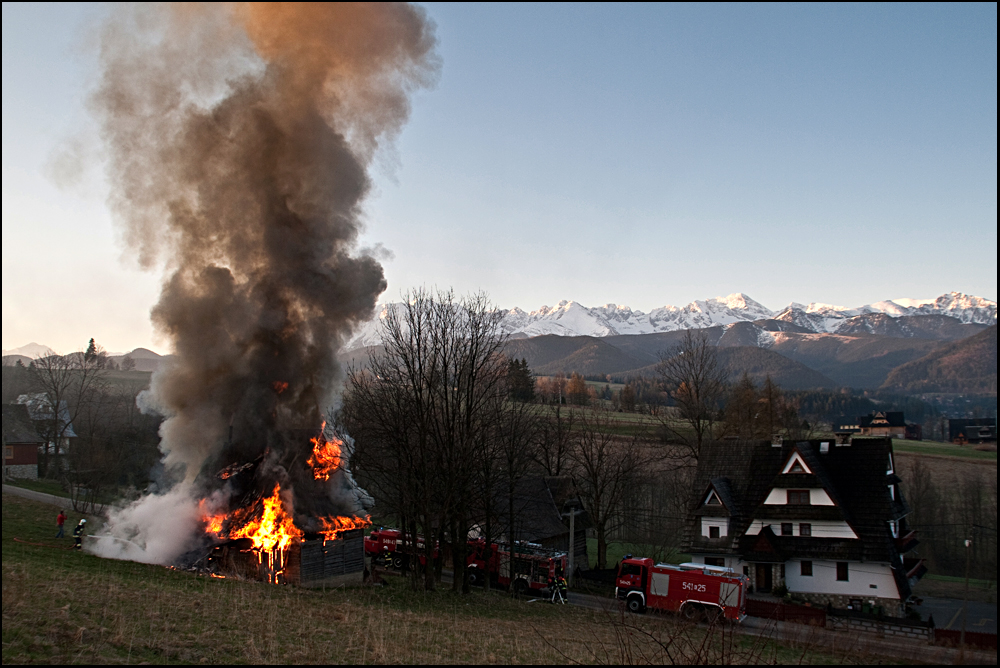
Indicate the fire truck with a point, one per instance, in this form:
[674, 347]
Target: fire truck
[529, 568]
[697, 591]
[385, 546]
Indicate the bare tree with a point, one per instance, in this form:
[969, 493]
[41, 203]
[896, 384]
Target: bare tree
[554, 442]
[65, 384]
[423, 407]
[605, 467]
[694, 380]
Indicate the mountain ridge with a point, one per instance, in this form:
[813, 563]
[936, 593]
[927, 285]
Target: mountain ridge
[570, 318]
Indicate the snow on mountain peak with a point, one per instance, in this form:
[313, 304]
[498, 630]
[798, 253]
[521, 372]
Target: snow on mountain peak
[571, 318]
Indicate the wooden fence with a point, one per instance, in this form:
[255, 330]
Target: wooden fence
[786, 612]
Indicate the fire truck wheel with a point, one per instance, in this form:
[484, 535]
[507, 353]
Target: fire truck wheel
[397, 562]
[634, 604]
[475, 578]
[519, 586]
[692, 612]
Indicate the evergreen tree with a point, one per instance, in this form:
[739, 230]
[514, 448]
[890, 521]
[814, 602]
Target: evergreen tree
[520, 381]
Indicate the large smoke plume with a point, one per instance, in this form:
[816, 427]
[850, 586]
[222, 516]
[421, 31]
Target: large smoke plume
[239, 137]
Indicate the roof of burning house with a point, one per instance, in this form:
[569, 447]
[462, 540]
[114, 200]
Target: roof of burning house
[855, 477]
[17, 425]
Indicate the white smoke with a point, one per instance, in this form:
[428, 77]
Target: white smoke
[155, 529]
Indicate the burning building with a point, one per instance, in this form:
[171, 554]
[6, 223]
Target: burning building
[238, 138]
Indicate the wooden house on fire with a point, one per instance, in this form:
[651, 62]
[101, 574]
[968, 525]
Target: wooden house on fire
[823, 519]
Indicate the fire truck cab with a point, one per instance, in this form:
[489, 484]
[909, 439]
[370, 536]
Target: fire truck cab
[694, 590]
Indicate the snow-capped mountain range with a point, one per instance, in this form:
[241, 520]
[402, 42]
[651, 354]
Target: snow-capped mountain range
[570, 318]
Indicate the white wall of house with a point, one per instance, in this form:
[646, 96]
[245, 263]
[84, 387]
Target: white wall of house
[733, 562]
[721, 522]
[817, 497]
[860, 578]
[820, 528]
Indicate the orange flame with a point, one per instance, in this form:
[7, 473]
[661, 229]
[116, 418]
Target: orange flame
[279, 386]
[325, 457]
[332, 526]
[274, 530]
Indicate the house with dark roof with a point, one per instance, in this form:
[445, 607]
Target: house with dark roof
[883, 423]
[823, 519]
[54, 426]
[972, 430]
[20, 443]
[541, 506]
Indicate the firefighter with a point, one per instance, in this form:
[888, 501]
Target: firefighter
[563, 587]
[559, 589]
[78, 534]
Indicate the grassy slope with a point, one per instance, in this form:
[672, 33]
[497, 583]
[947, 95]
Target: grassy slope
[61, 606]
[939, 449]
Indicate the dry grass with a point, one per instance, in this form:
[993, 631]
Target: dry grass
[60, 606]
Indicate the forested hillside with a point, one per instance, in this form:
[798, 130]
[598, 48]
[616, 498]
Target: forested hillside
[968, 366]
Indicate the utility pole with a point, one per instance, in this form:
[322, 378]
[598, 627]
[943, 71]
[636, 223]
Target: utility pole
[965, 601]
[573, 507]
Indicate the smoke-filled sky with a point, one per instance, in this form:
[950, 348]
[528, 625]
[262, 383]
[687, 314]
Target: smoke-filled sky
[637, 155]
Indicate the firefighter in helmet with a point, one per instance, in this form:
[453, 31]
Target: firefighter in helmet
[557, 585]
[78, 534]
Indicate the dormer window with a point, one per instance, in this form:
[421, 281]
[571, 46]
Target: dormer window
[796, 464]
[798, 497]
[713, 499]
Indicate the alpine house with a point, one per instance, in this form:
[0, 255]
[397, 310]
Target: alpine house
[824, 520]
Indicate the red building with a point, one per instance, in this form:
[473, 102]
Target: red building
[20, 443]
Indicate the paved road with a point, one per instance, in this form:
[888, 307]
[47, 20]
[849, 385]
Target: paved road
[38, 496]
[857, 644]
[982, 617]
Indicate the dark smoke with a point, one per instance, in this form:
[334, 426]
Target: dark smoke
[239, 138]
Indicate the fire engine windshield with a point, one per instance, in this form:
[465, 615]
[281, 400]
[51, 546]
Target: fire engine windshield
[630, 569]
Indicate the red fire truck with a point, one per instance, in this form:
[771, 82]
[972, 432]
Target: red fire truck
[695, 590]
[385, 546]
[529, 569]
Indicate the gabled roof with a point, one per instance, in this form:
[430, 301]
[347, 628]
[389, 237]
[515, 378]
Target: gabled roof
[719, 487]
[17, 426]
[539, 505]
[882, 419]
[854, 476]
[762, 547]
[40, 409]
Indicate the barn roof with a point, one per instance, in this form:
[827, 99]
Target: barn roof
[17, 425]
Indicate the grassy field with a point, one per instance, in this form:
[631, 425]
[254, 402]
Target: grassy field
[946, 586]
[617, 551]
[60, 606]
[939, 449]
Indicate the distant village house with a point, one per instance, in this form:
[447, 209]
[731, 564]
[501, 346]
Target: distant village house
[972, 430]
[886, 424]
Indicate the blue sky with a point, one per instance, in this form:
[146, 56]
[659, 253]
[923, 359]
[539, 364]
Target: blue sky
[642, 155]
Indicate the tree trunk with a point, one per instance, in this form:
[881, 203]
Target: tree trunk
[602, 547]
